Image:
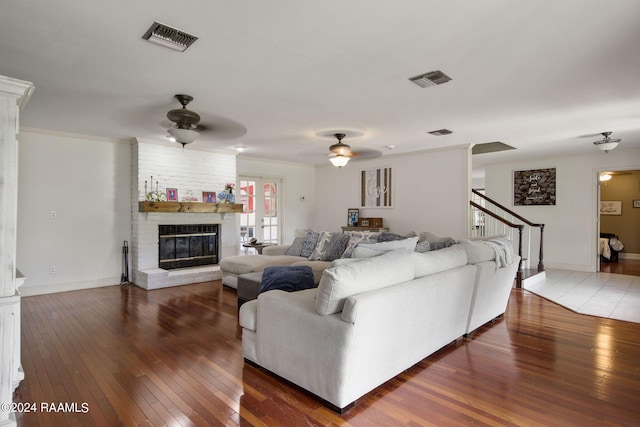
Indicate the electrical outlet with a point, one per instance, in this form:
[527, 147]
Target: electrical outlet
[52, 269]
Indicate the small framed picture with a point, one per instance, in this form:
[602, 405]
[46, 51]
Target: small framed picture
[209, 196]
[172, 194]
[636, 203]
[352, 217]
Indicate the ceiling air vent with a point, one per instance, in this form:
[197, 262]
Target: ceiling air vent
[441, 132]
[431, 78]
[169, 37]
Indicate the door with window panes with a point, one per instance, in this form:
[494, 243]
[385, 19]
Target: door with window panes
[260, 198]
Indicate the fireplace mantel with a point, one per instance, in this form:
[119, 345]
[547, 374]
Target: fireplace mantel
[190, 207]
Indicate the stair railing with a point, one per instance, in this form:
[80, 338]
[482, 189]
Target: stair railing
[502, 220]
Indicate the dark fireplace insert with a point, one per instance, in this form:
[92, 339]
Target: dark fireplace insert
[188, 245]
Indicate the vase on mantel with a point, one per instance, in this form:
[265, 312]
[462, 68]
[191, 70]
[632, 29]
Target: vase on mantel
[231, 198]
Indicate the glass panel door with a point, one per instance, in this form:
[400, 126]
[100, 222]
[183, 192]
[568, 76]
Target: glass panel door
[261, 209]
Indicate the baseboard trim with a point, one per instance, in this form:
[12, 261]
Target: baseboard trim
[27, 290]
[625, 255]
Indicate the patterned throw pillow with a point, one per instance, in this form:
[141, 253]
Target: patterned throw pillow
[309, 245]
[321, 246]
[336, 246]
[357, 237]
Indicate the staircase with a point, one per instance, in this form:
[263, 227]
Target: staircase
[490, 218]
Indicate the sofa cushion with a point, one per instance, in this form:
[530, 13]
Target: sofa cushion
[287, 278]
[321, 246]
[296, 247]
[335, 247]
[436, 261]
[340, 282]
[367, 250]
[310, 242]
[318, 267]
[477, 251]
[388, 237]
[356, 237]
[431, 242]
[241, 264]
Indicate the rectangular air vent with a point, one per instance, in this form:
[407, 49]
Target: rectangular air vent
[169, 37]
[441, 132]
[431, 78]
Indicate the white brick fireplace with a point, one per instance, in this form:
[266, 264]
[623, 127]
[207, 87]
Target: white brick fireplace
[192, 170]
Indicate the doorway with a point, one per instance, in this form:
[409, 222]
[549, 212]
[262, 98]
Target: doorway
[618, 222]
[260, 217]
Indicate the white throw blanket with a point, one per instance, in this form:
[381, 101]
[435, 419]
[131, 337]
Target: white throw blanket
[503, 250]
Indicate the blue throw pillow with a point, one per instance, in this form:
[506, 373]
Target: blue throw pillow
[287, 278]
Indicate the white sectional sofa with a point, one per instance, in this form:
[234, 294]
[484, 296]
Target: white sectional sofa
[370, 319]
[318, 249]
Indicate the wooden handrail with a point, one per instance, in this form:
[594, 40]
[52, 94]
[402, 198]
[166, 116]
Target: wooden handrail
[520, 228]
[509, 211]
[496, 216]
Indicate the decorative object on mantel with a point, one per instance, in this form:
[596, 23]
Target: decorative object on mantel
[229, 197]
[189, 197]
[154, 195]
[534, 187]
[370, 222]
[209, 196]
[172, 194]
[376, 188]
[352, 217]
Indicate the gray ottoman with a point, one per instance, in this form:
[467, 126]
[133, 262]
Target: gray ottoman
[248, 287]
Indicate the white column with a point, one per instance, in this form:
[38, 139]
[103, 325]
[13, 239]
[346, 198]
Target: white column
[13, 95]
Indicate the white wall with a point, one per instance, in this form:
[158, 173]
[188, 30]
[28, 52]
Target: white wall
[571, 226]
[431, 190]
[87, 182]
[298, 182]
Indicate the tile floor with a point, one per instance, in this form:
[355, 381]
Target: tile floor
[615, 296]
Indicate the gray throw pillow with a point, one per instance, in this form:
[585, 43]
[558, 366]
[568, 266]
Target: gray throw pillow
[389, 237]
[335, 248]
[309, 244]
[296, 247]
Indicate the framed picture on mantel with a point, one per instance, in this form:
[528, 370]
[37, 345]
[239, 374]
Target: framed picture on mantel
[534, 187]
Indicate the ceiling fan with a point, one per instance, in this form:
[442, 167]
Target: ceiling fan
[340, 153]
[186, 122]
[607, 144]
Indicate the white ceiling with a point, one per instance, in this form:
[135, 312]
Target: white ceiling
[543, 76]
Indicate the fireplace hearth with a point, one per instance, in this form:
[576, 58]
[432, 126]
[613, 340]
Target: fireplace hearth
[187, 245]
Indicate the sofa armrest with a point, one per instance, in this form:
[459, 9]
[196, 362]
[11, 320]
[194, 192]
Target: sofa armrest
[275, 250]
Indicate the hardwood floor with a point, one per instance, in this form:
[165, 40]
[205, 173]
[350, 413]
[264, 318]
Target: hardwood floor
[173, 357]
[622, 266]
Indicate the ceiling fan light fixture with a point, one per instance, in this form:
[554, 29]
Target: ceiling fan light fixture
[185, 120]
[340, 152]
[607, 144]
[183, 136]
[339, 161]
